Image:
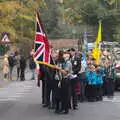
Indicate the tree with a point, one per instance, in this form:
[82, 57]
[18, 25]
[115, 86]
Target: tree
[89, 12]
[50, 17]
[17, 18]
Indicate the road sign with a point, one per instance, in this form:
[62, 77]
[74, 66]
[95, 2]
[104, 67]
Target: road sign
[5, 38]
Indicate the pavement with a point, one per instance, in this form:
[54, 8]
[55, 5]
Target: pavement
[14, 77]
[21, 100]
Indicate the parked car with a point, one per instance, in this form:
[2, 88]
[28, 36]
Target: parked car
[118, 52]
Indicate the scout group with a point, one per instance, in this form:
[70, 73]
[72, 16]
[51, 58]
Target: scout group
[75, 79]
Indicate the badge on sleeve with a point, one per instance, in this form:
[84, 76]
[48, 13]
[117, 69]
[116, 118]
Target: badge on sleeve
[75, 62]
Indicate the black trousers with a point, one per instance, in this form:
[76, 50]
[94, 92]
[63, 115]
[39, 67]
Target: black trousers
[65, 95]
[104, 87]
[91, 92]
[58, 99]
[110, 87]
[18, 72]
[99, 92]
[22, 75]
[50, 90]
[73, 92]
[43, 92]
[82, 79]
[82, 91]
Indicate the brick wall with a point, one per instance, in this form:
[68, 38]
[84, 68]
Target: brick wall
[64, 43]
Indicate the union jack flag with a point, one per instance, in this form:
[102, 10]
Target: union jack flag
[42, 49]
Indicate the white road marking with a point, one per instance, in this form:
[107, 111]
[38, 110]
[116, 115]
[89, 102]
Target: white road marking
[114, 99]
[16, 91]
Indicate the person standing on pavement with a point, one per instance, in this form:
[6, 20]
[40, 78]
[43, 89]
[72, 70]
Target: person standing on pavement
[50, 87]
[100, 74]
[110, 78]
[5, 67]
[59, 62]
[91, 80]
[65, 83]
[82, 79]
[11, 64]
[22, 68]
[62, 91]
[41, 76]
[17, 62]
[32, 66]
[76, 67]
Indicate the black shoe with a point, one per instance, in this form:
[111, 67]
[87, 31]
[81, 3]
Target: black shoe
[45, 105]
[22, 80]
[64, 112]
[50, 107]
[75, 108]
[110, 96]
[70, 107]
[43, 102]
[82, 100]
[101, 98]
[53, 107]
[57, 111]
[91, 100]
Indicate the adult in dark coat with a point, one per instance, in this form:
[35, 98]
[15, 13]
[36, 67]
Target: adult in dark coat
[17, 62]
[110, 78]
[11, 64]
[22, 68]
[48, 85]
[41, 76]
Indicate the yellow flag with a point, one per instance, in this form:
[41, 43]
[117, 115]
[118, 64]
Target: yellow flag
[96, 51]
[99, 36]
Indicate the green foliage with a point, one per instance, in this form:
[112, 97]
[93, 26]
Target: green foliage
[49, 16]
[91, 11]
[3, 49]
[17, 17]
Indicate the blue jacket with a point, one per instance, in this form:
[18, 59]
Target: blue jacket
[91, 78]
[100, 77]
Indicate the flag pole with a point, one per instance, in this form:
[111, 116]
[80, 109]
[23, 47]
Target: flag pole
[35, 11]
[52, 66]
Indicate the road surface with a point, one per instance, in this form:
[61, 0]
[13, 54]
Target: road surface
[22, 101]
